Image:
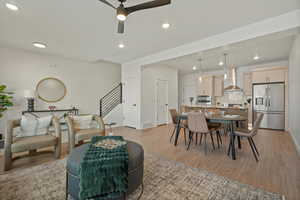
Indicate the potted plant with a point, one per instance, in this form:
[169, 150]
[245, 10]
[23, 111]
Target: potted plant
[5, 102]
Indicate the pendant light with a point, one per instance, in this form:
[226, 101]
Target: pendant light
[200, 69]
[225, 67]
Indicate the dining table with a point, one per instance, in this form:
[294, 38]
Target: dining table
[230, 120]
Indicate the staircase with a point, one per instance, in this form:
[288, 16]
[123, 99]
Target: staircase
[111, 100]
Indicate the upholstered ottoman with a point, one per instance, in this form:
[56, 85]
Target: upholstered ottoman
[135, 169]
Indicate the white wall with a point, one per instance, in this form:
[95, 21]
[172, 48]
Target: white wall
[294, 92]
[115, 116]
[86, 82]
[150, 75]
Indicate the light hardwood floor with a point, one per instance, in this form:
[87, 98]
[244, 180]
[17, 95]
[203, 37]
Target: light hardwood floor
[278, 170]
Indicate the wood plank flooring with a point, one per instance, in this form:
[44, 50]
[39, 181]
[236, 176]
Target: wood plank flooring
[278, 169]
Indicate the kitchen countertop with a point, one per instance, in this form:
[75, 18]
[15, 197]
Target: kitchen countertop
[216, 107]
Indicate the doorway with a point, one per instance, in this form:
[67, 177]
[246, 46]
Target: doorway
[162, 104]
[130, 102]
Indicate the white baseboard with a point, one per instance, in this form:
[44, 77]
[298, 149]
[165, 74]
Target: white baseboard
[148, 124]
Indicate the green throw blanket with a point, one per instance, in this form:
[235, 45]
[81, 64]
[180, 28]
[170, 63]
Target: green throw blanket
[104, 169]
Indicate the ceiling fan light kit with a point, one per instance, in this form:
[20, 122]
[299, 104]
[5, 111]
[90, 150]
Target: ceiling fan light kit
[123, 12]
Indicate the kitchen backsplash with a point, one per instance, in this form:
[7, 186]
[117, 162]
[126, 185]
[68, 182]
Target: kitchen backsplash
[232, 98]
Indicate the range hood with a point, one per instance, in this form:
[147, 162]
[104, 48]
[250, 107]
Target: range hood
[233, 86]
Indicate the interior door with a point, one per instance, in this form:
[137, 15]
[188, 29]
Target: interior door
[162, 102]
[130, 102]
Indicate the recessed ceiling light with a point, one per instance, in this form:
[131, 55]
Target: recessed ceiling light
[221, 63]
[121, 45]
[165, 25]
[39, 45]
[256, 57]
[12, 7]
[194, 67]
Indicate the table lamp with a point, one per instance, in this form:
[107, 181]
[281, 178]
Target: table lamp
[29, 95]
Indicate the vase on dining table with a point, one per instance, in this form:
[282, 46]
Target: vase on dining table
[191, 100]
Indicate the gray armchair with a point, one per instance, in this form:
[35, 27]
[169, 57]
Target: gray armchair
[77, 136]
[31, 144]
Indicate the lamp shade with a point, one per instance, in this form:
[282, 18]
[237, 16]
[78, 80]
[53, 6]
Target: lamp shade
[28, 94]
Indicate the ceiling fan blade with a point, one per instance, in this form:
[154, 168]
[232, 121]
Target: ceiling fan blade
[121, 27]
[147, 5]
[107, 3]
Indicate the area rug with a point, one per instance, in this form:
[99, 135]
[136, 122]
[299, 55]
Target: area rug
[163, 180]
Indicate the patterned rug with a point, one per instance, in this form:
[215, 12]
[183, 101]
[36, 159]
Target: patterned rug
[163, 180]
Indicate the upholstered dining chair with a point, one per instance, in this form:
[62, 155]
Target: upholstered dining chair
[30, 143]
[78, 135]
[197, 124]
[249, 134]
[174, 114]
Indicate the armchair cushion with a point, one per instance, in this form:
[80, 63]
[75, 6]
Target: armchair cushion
[32, 126]
[21, 144]
[82, 122]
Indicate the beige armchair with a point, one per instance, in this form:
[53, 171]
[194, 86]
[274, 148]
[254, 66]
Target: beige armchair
[32, 143]
[77, 136]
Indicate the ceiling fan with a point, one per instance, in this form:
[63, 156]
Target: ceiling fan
[123, 12]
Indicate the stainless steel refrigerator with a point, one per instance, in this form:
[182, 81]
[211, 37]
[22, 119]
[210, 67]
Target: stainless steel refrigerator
[270, 100]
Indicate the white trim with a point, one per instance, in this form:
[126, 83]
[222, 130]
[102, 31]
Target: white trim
[272, 25]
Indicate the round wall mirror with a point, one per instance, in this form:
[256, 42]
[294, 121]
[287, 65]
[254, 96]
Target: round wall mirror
[51, 90]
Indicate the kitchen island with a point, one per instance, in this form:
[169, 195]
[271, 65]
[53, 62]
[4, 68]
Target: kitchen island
[242, 111]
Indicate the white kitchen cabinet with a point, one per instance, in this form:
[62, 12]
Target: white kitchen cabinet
[247, 83]
[268, 76]
[259, 77]
[276, 75]
[205, 86]
[218, 86]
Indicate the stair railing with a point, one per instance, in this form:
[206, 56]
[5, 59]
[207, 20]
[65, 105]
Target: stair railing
[111, 100]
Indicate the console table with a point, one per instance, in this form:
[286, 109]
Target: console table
[74, 111]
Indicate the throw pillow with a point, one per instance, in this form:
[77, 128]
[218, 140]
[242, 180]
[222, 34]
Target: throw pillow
[31, 126]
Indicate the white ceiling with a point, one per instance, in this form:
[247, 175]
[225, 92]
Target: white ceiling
[86, 29]
[274, 47]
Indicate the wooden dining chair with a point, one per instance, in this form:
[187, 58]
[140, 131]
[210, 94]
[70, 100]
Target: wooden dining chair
[174, 114]
[197, 125]
[219, 126]
[249, 134]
